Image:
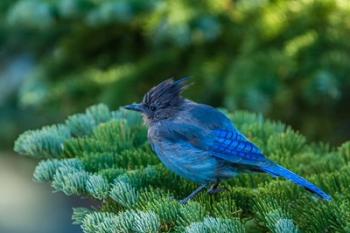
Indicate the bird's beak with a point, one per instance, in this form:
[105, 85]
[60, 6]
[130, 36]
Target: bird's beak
[134, 107]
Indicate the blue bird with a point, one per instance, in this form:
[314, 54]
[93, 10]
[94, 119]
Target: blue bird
[200, 143]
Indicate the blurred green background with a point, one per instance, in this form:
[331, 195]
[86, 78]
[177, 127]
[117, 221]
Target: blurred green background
[289, 60]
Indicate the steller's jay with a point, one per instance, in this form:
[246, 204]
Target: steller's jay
[200, 143]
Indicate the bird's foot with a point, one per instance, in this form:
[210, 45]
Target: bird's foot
[184, 201]
[215, 190]
[193, 194]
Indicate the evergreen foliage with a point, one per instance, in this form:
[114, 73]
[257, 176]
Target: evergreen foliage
[104, 155]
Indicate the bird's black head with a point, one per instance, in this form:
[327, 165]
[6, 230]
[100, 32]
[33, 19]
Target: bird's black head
[162, 101]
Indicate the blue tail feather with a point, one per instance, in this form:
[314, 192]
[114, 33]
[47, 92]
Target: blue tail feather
[277, 170]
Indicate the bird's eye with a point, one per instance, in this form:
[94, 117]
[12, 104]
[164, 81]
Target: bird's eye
[153, 108]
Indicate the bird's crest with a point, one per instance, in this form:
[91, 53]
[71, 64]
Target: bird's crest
[167, 93]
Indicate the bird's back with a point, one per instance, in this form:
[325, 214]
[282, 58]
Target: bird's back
[203, 116]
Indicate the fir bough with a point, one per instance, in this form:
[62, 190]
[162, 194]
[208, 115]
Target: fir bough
[104, 154]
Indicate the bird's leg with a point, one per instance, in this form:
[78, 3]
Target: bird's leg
[214, 188]
[193, 194]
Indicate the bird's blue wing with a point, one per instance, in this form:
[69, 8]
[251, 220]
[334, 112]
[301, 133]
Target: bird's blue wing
[224, 141]
[229, 145]
[234, 147]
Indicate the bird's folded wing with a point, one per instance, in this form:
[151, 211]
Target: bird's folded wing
[233, 146]
[229, 145]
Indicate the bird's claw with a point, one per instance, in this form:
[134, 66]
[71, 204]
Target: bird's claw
[183, 201]
[216, 190]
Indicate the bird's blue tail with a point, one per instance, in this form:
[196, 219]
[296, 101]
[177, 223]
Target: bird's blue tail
[277, 170]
